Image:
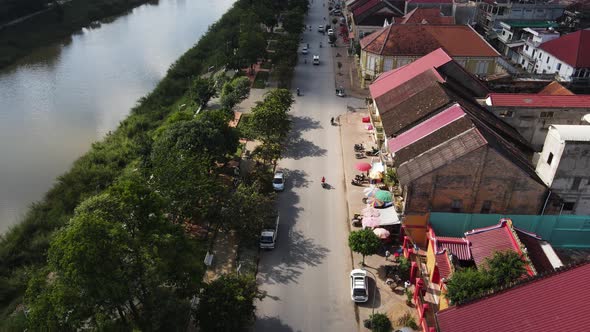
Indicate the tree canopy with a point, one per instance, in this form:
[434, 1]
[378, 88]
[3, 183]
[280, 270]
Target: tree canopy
[234, 92]
[202, 90]
[364, 242]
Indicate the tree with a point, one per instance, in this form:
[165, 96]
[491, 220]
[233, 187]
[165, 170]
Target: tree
[468, 284]
[270, 121]
[227, 304]
[364, 242]
[379, 322]
[505, 267]
[293, 21]
[234, 92]
[202, 90]
[251, 43]
[115, 258]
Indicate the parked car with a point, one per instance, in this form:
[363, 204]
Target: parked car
[330, 32]
[304, 50]
[336, 12]
[278, 181]
[359, 289]
[316, 59]
[320, 28]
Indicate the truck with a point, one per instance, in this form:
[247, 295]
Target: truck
[268, 235]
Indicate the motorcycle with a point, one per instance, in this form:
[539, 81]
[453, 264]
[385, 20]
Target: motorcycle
[373, 153]
[298, 92]
[360, 155]
[320, 44]
[356, 182]
[359, 147]
[360, 177]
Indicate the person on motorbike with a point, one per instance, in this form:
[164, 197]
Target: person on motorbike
[320, 44]
[323, 181]
[298, 92]
[332, 120]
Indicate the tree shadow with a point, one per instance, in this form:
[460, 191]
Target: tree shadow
[271, 324]
[296, 146]
[296, 178]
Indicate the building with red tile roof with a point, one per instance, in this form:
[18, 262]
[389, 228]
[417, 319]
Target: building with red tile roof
[399, 44]
[445, 6]
[553, 302]
[555, 89]
[367, 16]
[531, 114]
[426, 16]
[567, 56]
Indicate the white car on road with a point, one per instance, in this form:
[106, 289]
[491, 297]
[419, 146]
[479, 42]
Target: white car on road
[330, 32]
[320, 28]
[278, 181]
[359, 290]
[316, 59]
[304, 50]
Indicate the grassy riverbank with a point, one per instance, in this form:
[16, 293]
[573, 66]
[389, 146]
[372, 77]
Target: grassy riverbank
[57, 24]
[23, 249]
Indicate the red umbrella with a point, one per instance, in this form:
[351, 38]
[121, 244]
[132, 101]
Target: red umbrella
[363, 167]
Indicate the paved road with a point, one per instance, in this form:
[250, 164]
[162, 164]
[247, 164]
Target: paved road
[306, 276]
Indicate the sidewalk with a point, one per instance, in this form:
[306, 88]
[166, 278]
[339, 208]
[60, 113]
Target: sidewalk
[347, 76]
[225, 251]
[392, 303]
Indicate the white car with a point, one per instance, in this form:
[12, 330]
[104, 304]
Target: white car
[316, 59]
[359, 290]
[320, 28]
[304, 50]
[278, 181]
[330, 32]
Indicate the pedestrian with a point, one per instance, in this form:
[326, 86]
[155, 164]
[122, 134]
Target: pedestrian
[407, 284]
[387, 254]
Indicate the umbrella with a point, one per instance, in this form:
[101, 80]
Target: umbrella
[382, 233]
[371, 222]
[374, 174]
[370, 191]
[363, 167]
[369, 211]
[383, 196]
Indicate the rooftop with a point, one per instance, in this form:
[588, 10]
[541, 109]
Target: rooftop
[573, 48]
[427, 15]
[555, 302]
[579, 133]
[537, 101]
[555, 89]
[421, 39]
[531, 24]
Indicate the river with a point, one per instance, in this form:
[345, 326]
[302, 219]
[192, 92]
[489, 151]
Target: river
[57, 101]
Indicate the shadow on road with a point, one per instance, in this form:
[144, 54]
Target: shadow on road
[296, 178]
[374, 296]
[296, 146]
[271, 324]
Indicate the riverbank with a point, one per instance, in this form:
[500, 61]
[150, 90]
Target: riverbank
[56, 24]
[23, 249]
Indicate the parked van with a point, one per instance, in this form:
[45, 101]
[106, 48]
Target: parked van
[316, 59]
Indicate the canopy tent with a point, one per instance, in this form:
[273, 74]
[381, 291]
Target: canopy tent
[388, 217]
[363, 166]
[371, 222]
[382, 233]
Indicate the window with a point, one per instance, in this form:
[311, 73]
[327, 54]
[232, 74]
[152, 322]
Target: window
[569, 206]
[576, 183]
[550, 158]
[388, 64]
[546, 114]
[526, 48]
[482, 67]
[547, 59]
[486, 207]
[456, 205]
[558, 66]
[506, 114]
[503, 32]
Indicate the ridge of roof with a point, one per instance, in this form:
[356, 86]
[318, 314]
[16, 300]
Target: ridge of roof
[555, 89]
[533, 100]
[572, 48]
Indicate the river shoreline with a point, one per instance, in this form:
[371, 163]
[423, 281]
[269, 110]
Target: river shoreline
[56, 24]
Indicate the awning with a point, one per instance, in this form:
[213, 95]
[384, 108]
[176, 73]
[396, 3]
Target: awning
[515, 44]
[388, 216]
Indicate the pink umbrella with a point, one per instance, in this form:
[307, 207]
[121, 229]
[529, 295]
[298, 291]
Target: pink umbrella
[369, 211]
[371, 222]
[363, 167]
[382, 233]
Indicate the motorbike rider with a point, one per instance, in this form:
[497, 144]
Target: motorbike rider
[323, 181]
[332, 120]
[298, 92]
[320, 44]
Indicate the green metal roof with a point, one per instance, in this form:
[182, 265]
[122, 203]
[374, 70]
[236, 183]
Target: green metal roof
[531, 24]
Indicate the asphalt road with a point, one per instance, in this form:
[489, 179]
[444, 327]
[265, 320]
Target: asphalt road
[306, 276]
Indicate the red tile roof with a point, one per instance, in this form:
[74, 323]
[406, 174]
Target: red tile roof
[443, 264]
[426, 128]
[394, 78]
[421, 39]
[427, 15]
[429, 1]
[573, 48]
[541, 101]
[366, 6]
[557, 302]
[487, 240]
[555, 89]
[457, 246]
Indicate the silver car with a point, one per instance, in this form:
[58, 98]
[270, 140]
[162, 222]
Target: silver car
[359, 290]
[278, 181]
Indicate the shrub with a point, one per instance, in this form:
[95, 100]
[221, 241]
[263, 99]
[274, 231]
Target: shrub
[379, 322]
[407, 320]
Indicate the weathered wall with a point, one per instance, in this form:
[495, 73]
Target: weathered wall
[482, 175]
[572, 179]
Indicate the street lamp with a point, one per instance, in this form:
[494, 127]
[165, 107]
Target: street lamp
[374, 291]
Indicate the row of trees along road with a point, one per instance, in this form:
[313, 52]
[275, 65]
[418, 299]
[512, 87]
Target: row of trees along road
[89, 255]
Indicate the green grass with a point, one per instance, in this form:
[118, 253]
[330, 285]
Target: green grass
[260, 80]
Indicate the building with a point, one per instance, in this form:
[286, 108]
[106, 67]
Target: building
[564, 165]
[532, 38]
[511, 39]
[532, 114]
[426, 16]
[445, 6]
[399, 44]
[369, 16]
[491, 13]
[550, 302]
[568, 57]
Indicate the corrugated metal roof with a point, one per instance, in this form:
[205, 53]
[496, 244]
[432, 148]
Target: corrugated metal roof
[538, 101]
[573, 48]
[425, 128]
[580, 133]
[457, 246]
[554, 303]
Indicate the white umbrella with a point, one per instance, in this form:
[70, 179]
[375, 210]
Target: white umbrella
[370, 211]
[370, 191]
[371, 222]
[382, 233]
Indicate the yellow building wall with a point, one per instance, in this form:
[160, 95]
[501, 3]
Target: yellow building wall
[443, 301]
[415, 227]
[430, 260]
